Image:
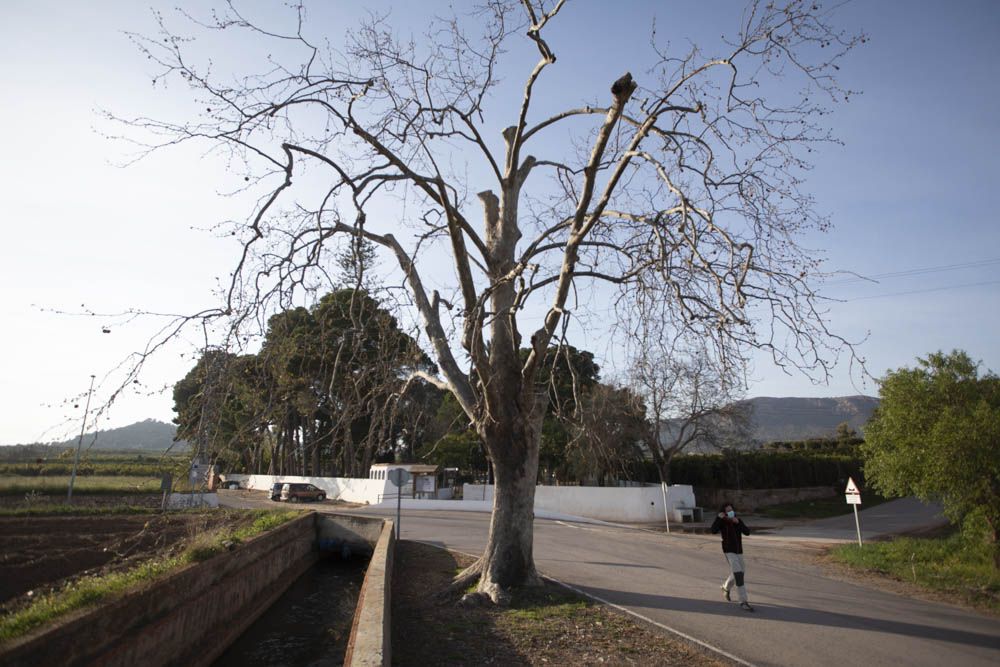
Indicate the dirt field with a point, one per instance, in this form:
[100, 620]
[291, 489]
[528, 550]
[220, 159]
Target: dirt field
[151, 501]
[41, 553]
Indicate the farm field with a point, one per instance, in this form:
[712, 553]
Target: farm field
[42, 551]
[78, 556]
[56, 486]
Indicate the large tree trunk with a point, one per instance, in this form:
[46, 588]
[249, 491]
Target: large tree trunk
[508, 560]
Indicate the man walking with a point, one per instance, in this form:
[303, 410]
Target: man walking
[733, 529]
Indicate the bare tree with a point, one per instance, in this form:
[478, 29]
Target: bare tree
[691, 398]
[686, 189]
[609, 424]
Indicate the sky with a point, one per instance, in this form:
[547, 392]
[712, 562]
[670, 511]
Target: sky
[912, 193]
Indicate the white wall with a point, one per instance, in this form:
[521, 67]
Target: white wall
[180, 501]
[628, 504]
[348, 489]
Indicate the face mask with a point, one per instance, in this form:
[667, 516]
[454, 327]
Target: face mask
[731, 514]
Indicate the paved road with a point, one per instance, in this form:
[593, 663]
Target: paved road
[804, 616]
[891, 518]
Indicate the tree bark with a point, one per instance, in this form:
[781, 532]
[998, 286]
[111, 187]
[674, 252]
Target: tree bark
[508, 559]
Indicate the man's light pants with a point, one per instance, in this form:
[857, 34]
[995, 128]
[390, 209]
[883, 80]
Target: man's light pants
[736, 575]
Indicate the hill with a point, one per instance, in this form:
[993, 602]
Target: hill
[145, 436]
[801, 418]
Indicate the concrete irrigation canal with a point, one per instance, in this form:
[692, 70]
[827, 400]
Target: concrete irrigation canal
[312, 591]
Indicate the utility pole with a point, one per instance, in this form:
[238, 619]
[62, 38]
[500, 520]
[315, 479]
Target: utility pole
[79, 444]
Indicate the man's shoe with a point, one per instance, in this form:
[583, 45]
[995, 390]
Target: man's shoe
[725, 591]
[746, 606]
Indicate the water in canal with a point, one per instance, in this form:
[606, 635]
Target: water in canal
[309, 625]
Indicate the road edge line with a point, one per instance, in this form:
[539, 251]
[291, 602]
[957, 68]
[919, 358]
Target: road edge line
[682, 635]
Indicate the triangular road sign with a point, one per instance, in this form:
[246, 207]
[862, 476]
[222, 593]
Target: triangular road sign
[852, 488]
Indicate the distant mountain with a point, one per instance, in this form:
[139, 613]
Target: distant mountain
[784, 419]
[147, 436]
[800, 418]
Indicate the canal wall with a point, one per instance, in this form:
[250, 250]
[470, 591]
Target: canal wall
[192, 615]
[370, 644]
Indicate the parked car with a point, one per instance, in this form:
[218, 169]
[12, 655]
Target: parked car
[276, 491]
[294, 493]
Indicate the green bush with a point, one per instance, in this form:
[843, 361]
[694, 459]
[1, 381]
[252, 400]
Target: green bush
[764, 469]
[959, 564]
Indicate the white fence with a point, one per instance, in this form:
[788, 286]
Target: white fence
[629, 504]
[181, 501]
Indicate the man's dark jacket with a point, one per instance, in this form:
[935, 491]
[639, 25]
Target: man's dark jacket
[732, 540]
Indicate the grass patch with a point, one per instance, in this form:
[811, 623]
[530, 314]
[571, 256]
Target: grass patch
[88, 485]
[821, 508]
[265, 520]
[956, 564]
[84, 592]
[15, 485]
[207, 545]
[90, 590]
[546, 604]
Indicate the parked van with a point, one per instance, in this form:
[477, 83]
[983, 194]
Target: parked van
[295, 493]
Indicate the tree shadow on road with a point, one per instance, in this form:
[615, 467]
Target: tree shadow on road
[800, 615]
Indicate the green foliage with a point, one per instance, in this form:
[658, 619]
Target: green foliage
[844, 445]
[322, 396]
[569, 374]
[94, 485]
[54, 461]
[959, 564]
[936, 435]
[765, 470]
[265, 520]
[605, 435]
[455, 450]
[210, 544]
[95, 468]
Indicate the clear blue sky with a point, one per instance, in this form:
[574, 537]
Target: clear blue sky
[913, 194]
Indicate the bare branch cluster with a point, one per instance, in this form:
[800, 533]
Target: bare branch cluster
[684, 191]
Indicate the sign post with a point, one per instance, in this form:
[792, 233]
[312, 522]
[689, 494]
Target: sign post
[398, 477]
[854, 499]
[666, 512]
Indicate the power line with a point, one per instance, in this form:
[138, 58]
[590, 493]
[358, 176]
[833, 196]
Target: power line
[916, 272]
[924, 291]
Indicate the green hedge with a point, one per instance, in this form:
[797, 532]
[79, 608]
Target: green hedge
[766, 470]
[848, 446]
